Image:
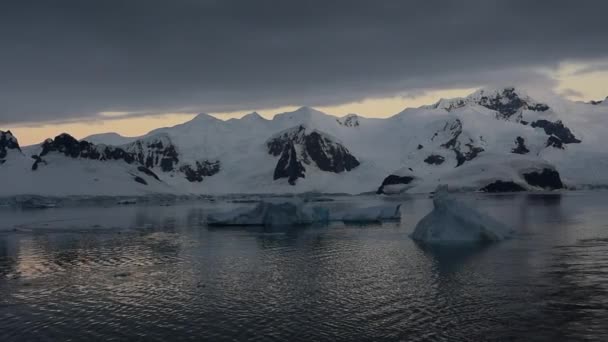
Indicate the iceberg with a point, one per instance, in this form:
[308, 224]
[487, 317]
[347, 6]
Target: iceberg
[268, 213]
[452, 222]
[373, 214]
[271, 214]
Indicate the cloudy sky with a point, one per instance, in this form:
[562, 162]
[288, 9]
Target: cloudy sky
[87, 66]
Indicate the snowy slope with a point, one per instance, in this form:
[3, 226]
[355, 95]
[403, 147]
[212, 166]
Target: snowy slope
[492, 140]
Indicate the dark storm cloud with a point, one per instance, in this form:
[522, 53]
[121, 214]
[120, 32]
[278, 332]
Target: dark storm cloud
[63, 59]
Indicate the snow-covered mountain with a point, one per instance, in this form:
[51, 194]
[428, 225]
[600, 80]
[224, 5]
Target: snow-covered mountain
[492, 140]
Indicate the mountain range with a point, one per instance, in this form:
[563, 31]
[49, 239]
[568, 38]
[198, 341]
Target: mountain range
[493, 140]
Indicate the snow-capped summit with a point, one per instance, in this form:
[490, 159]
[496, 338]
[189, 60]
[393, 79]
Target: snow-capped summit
[251, 117]
[492, 140]
[300, 146]
[349, 120]
[507, 102]
[8, 143]
[109, 139]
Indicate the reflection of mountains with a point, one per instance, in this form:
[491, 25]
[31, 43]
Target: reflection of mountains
[50, 254]
[578, 300]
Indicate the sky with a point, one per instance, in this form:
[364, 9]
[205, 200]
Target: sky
[91, 66]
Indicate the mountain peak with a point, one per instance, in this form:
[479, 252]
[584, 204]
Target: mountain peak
[253, 116]
[507, 101]
[8, 142]
[204, 117]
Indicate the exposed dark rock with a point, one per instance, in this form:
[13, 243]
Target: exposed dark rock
[200, 170]
[394, 180]
[420, 147]
[469, 154]
[464, 152]
[298, 147]
[155, 151]
[140, 180]
[508, 102]
[289, 166]
[547, 179]
[8, 142]
[328, 155]
[434, 159]
[523, 122]
[554, 141]
[557, 129]
[37, 160]
[148, 172]
[502, 186]
[520, 146]
[595, 103]
[351, 120]
[70, 147]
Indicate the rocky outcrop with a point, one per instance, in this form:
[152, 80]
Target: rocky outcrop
[148, 172]
[7, 142]
[289, 166]
[556, 129]
[300, 146]
[547, 179]
[595, 103]
[520, 146]
[70, 147]
[200, 170]
[434, 159]
[394, 180]
[155, 151]
[350, 120]
[150, 153]
[465, 151]
[507, 103]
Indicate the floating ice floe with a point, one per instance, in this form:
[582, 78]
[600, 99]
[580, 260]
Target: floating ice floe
[36, 203]
[271, 214]
[452, 222]
[298, 213]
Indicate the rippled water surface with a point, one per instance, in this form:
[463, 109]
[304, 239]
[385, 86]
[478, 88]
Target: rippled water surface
[159, 273]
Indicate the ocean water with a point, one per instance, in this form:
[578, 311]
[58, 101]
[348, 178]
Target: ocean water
[158, 273]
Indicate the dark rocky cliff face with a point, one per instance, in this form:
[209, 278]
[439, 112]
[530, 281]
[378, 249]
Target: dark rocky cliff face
[200, 170]
[434, 159]
[150, 153]
[70, 147]
[155, 152]
[289, 166]
[464, 148]
[558, 133]
[7, 142]
[299, 146]
[507, 103]
[394, 180]
[547, 179]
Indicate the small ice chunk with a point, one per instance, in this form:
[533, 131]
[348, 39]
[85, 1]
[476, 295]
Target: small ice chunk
[271, 214]
[37, 203]
[453, 222]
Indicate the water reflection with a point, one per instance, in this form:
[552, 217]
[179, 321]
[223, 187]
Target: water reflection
[160, 273]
